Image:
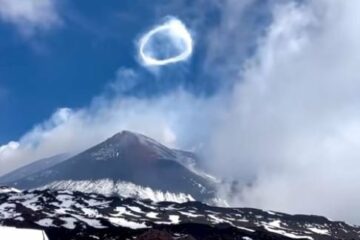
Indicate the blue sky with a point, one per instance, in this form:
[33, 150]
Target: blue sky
[69, 64]
[74, 59]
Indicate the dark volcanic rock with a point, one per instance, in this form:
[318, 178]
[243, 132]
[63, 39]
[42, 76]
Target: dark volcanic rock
[79, 216]
[155, 235]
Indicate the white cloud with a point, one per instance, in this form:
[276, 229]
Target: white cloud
[8, 148]
[73, 130]
[30, 15]
[293, 129]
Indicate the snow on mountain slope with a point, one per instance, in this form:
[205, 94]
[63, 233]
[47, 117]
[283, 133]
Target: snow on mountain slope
[11, 233]
[80, 216]
[125, 189]
[8, 189]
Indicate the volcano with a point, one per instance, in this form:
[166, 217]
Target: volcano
[126, 157]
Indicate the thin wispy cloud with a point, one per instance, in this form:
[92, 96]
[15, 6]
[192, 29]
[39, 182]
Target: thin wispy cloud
[30, 16]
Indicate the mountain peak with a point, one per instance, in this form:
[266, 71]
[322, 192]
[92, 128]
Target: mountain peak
[126, 133]
[138, 144]
[126, 137]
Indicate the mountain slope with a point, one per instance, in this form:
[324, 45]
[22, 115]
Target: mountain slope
[78, 216]
[127, 157]
[33, 168]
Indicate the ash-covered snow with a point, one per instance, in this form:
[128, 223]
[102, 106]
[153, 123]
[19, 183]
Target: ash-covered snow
[69, 222]
[45, 222]
[77, 210]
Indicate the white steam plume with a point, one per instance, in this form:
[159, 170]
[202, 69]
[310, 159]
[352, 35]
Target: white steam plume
[172, 39]
[291, 137]
[74, 130]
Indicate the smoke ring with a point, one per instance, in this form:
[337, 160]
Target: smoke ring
[178, 32]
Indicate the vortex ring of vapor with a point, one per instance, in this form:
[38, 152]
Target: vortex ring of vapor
[175, 28]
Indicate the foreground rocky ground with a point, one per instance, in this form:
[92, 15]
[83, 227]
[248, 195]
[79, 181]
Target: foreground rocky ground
[79, 216]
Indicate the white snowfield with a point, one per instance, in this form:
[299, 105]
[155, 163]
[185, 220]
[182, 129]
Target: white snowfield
[10, 233]
[124, 189]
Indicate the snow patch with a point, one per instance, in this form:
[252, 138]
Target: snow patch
[152, 215]
[124, 189]
[46, 222]
[175, 219]
[8, 190]
[69, 222]
[319, 231]
[126, 223]
[281, 231]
